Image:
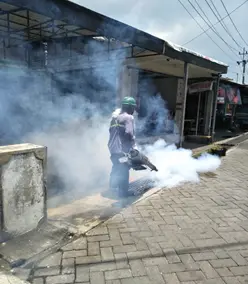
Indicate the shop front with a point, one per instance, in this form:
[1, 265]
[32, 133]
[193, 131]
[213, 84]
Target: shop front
[199, 108]
[228, 99]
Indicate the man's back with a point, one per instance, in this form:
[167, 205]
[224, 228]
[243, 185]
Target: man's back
[121, 132]
[121, 140]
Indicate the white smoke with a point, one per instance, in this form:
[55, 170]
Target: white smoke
[69, 112]
[78, 161]
[75, 130]
[176, 166]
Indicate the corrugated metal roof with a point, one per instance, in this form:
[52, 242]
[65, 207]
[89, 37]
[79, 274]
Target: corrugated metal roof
[33, 20]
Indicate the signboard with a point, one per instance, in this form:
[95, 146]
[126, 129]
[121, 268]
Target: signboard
[228, 94]
[200, 87]
[221, 95]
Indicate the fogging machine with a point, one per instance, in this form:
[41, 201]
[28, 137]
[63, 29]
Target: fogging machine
[137, 161]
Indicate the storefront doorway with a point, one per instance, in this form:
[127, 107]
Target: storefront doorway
[199, 108]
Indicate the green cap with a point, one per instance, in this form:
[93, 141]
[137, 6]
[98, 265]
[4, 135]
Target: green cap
[130, 101]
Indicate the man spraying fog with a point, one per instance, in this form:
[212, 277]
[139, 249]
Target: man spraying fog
[121, 141]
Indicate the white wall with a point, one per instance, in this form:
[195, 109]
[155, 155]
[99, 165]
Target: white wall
[22, 192]
[128, 82]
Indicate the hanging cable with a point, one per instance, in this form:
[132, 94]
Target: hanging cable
[205, 31]
[222, 24]
[229, 15]
[199, 6]
[231, 48]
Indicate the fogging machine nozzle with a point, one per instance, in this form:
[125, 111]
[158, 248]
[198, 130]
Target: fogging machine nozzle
[139, 161]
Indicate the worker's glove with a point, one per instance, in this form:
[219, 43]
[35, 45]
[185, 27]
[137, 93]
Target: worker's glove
[124, 159]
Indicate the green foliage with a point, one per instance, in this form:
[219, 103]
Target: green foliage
[213, 147]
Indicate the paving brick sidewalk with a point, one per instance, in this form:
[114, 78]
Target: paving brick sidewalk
[197, 233]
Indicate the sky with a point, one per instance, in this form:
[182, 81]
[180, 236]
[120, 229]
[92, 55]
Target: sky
[168, 20]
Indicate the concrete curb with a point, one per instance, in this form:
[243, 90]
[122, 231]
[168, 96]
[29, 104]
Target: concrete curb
[11, 279]
[233, 140]
[40, 241]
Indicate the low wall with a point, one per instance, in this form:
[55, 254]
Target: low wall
[22, 188]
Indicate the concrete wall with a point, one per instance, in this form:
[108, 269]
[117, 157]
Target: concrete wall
[127, 83]
[167, 87]
[208, 112]
[22, 187]
[180, 98]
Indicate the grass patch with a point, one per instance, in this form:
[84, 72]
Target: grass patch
[214, 149]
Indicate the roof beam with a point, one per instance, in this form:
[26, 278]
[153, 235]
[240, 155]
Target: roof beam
[14, 31]
[4, 12]
[31, 27]
[194, 59]
[74, 14]
[69, 39]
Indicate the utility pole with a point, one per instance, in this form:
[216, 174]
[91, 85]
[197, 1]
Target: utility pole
[243, 62]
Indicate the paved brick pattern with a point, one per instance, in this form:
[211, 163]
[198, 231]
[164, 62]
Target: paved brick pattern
[194, 234]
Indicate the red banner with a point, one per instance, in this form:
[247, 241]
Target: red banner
[200, 87]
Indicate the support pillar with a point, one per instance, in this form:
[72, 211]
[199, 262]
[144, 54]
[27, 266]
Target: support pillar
[182, 91]
[208, 113]
[28, 34]
[198, 113]
[216, 90]
[127, 83]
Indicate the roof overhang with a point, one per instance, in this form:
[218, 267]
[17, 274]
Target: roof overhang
[80, 17]
[35, 20]
[172, 67]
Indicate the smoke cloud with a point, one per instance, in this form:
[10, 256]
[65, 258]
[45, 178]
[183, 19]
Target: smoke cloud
[155, 112]
[69, 112]
[176, 166]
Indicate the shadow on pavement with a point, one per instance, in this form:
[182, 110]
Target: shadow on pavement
[87, 212]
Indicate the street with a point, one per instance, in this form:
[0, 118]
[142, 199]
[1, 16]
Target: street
[192, 234]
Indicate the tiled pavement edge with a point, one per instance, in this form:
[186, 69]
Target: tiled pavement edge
[6, 278]
[194, 234]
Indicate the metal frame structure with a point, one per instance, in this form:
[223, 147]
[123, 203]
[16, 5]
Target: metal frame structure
[23, 22]
[34, 26]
